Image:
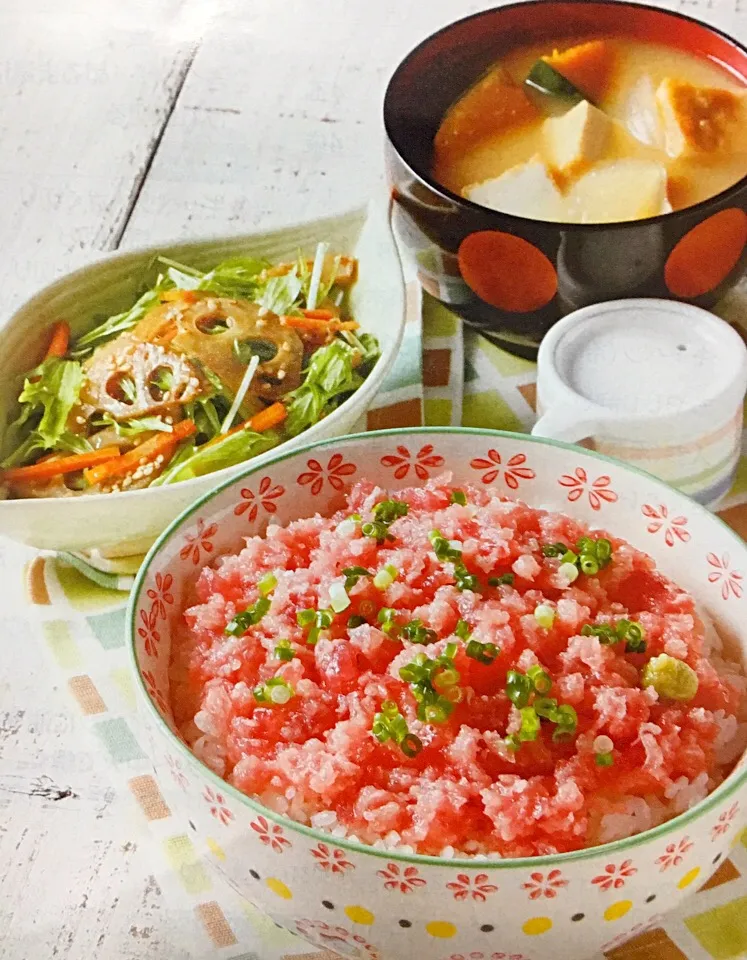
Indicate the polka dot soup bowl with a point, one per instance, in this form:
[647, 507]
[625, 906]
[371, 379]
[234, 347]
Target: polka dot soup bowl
[362, 901]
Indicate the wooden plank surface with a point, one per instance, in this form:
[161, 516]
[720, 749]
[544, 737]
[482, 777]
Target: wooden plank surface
[124, 122]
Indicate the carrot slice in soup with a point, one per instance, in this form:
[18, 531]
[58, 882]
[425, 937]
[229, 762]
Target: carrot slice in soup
[588, 66]
[493, 105]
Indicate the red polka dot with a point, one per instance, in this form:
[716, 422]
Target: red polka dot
[506, 271]
[705, 256]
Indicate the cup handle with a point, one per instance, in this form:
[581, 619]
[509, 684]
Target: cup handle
[568, 423]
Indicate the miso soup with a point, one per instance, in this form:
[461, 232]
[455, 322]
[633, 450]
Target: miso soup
[595, 130]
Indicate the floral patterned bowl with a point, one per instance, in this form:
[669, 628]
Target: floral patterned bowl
[367, 903]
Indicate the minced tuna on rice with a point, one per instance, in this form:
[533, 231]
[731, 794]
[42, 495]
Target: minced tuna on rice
[445, 671]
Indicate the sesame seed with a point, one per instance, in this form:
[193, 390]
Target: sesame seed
[281, 374]
[603, 744]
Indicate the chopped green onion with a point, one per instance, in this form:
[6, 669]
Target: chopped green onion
[464, 579]
[462, 630]
[482, 652]
[275, 692]
[411, 745]
[589, 565]
[505, 579]
[442, 547]
[416, 632]
[356, 621]
[385, 577]
[568, 572]
[248, 618]
[284, 651]
[304, 618]
[389, 724]
[435, 713]
[544, 614]
[376, 530]
[338, 597]
[388, 511]
[512, 742]
[604, 759]
[353, 574]
[267, 584]
[449, 653]
[566, 721]
[541, 680]
[546, 707]
[460, 497]
[554, 549]
[518, 688]
[386, 619]
[446, 678]
[604, 551]
[318, 620]
[530, 724]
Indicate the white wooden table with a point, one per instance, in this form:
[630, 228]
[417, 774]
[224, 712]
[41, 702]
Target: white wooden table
[124, 122]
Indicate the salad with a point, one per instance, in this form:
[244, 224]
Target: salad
[204, 371]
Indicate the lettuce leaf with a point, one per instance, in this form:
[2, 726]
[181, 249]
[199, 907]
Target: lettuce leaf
[50, 392]
[228, 452]
[131, 428]
[120, 322]
[281, 294]
[329, 375]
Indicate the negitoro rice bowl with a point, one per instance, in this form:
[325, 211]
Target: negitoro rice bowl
[443, 669]
[563, 784]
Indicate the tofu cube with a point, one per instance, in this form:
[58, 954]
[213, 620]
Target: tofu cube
[526, 190]
[699, 119]
[577, 139]
[619, 190]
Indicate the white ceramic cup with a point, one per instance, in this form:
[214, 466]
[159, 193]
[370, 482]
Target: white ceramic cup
[657, 383]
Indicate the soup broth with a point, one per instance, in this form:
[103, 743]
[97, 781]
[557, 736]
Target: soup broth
[656, 129]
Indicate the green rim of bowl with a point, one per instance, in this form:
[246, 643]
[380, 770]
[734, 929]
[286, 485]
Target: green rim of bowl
[730, 786]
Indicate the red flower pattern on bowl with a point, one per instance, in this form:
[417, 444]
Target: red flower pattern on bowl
[731, 580]
[271, 834]
[218, 807]
[403, 879]
[675, 527]
[161, 594]
[333, 473]
[331, 859]
[199, 541]
[265, 498]
[598, 491]
[421, 462]
[513, 471]
[472, 888]
[614, 876]
[540, 885]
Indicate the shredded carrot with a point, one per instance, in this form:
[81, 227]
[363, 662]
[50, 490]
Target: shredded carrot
[318, 314]
[264, 420]
[187, 296]
[60, 340]
[268, 418]
[163, 444]
[54, 467]
[347, 270]
[318, 325]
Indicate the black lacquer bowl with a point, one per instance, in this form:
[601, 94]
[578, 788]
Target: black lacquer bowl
[694, 254]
